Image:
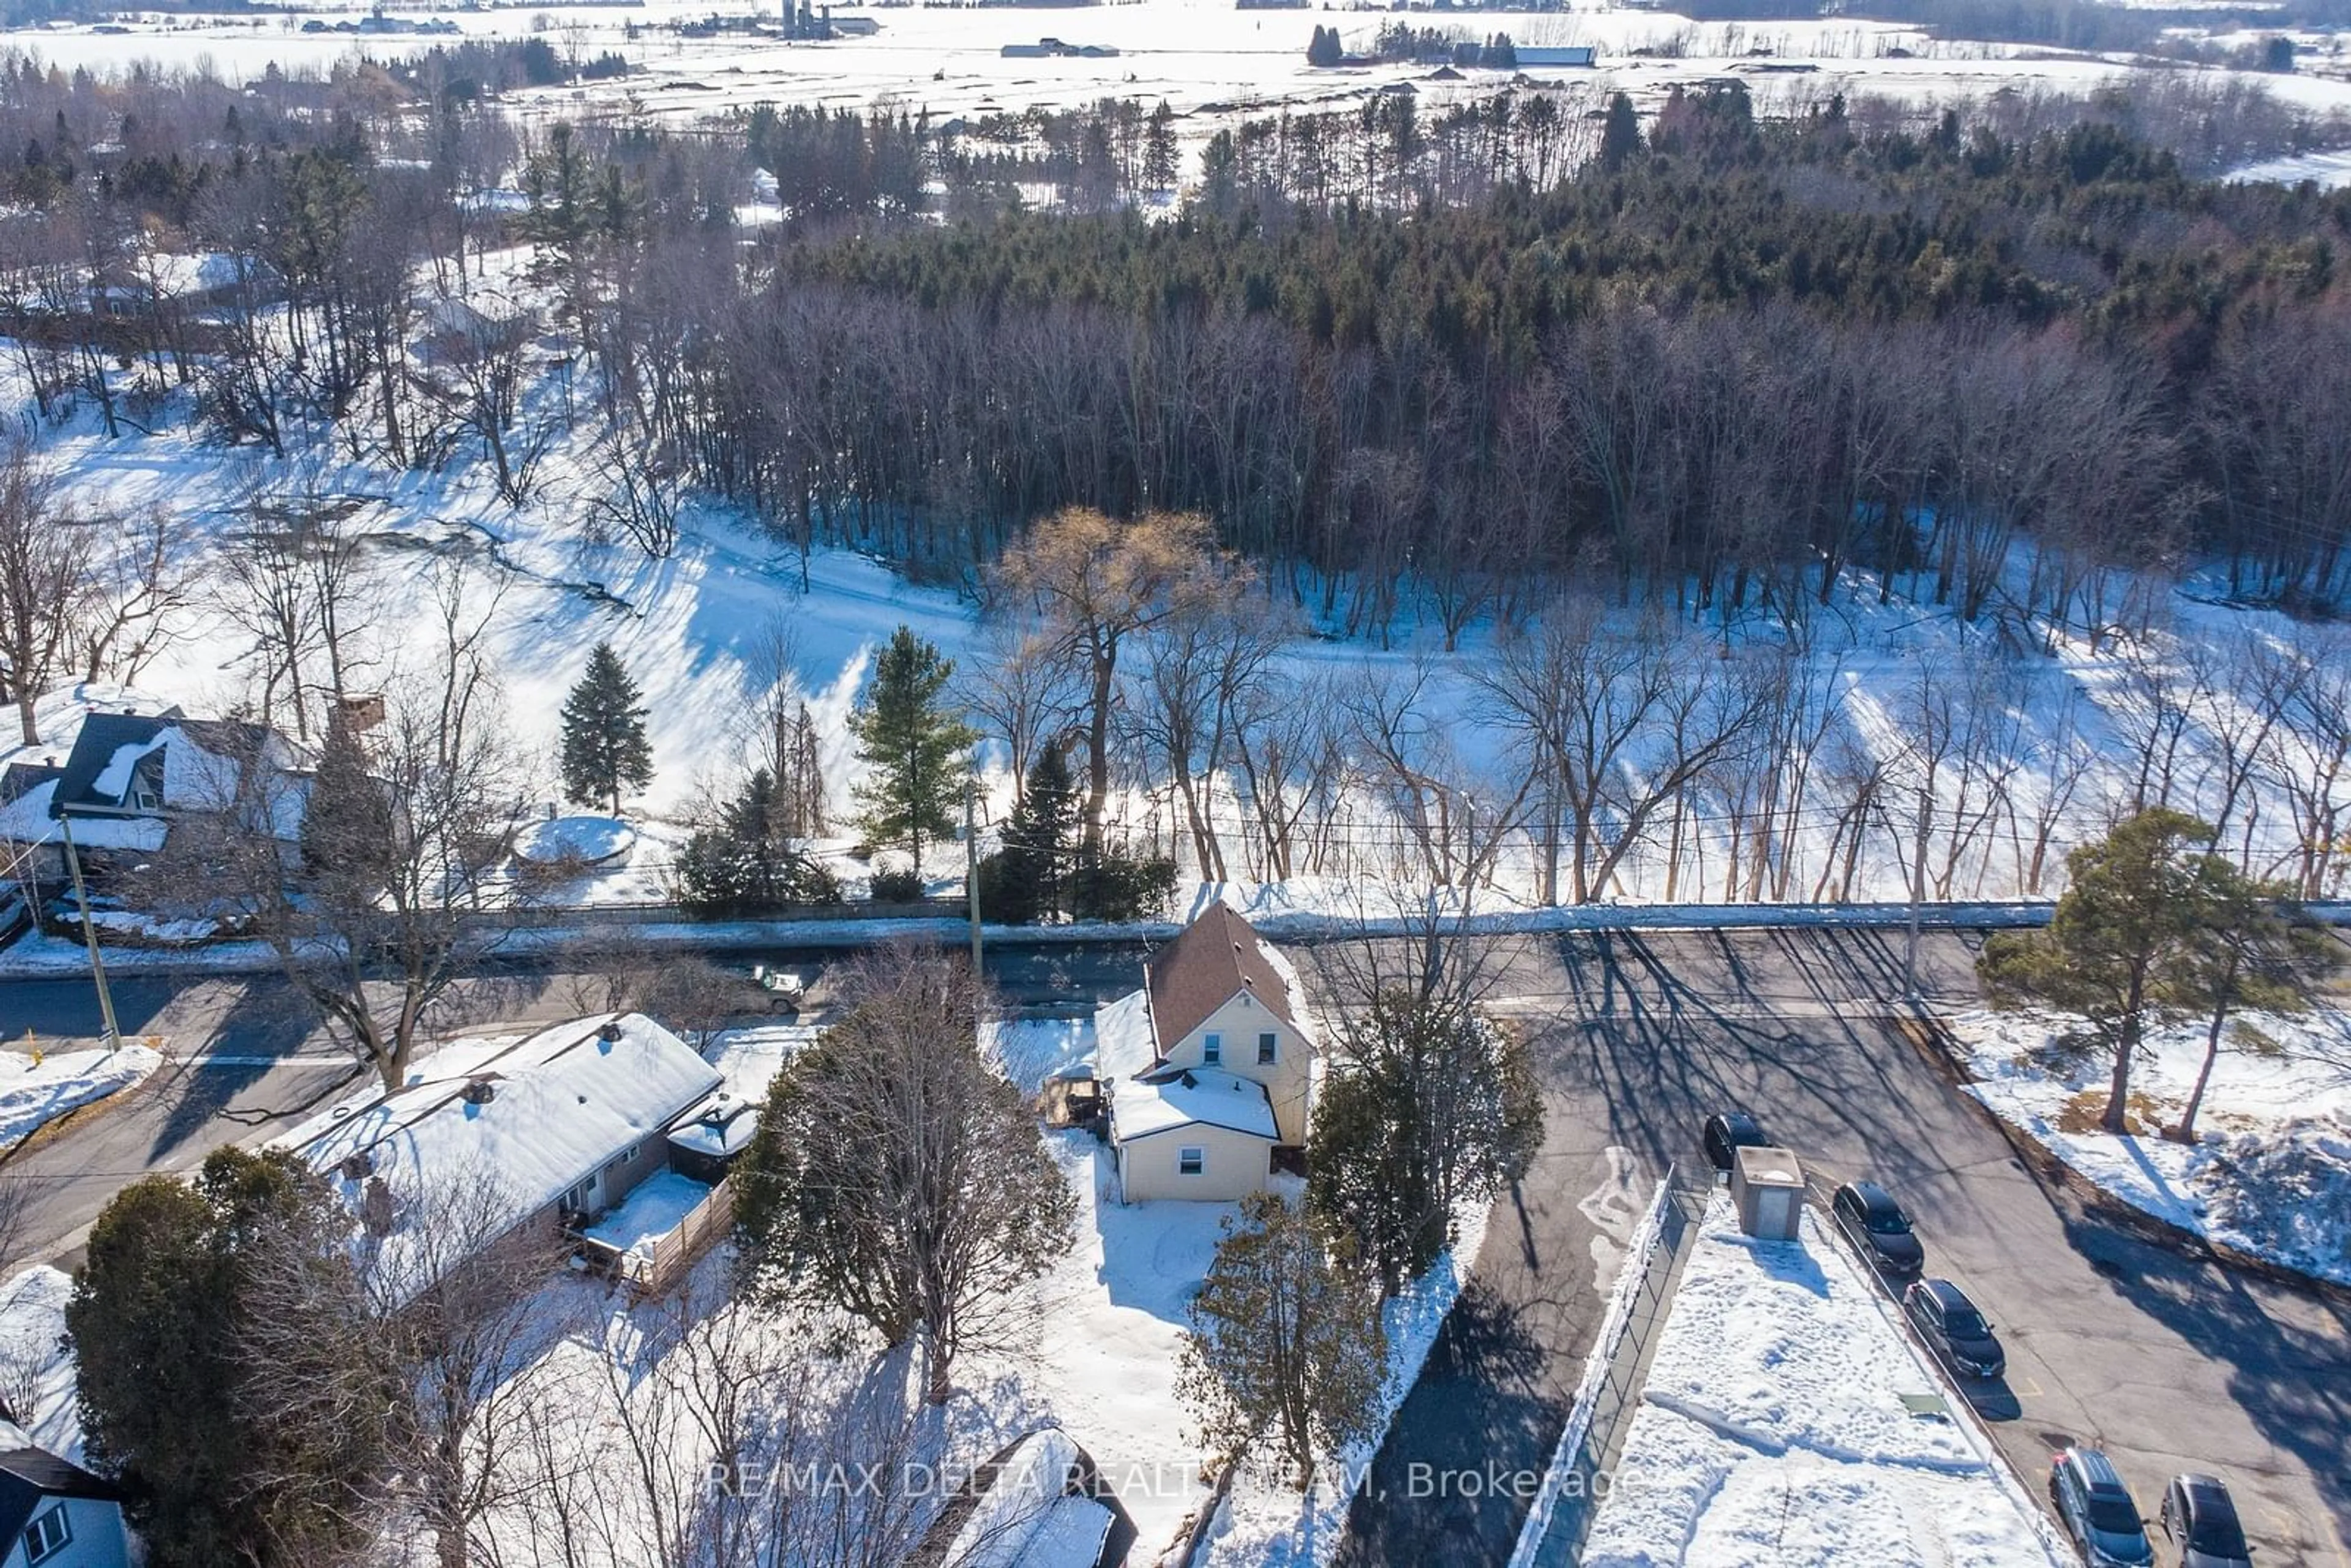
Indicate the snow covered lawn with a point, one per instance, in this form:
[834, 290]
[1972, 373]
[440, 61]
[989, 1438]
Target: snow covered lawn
[36, 1370]
[35, 1091]
[2270, 1174]
[1772, 1431]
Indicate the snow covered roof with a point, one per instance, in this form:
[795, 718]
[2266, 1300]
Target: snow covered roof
[718, 1127]
[1205, 1096]
[1774, 1427]
[1124, 1046]
[560, 1105]
[185, 763]
[590, 839]
[1030, 1509]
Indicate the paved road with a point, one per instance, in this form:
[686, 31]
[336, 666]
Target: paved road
[2168, 1362]
[247, 1061]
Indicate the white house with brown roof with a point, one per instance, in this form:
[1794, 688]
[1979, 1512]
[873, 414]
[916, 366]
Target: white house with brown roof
[1208, 1068]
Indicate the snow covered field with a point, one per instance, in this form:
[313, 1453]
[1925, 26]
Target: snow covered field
[2270, 1174]
[694, 628]
[36, 1090]
[1773, 1430]
[1210, 61]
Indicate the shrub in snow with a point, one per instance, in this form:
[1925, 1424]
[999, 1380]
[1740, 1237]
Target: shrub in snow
[896, 886]
[2284, 1194]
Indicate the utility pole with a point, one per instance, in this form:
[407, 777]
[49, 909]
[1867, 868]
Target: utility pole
[971, 864]
[1918, 886]
[90, 937]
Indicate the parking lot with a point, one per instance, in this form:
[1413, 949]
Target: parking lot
[2169, 1362]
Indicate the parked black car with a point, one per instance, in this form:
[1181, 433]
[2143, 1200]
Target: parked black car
[2200, 1518]
[1951, 1324]
[1875, 1225]
[2097, 1510]
[1729, 1132]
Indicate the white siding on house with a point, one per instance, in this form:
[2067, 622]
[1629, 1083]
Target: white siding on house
[1237, 1024]
[1234, 1164]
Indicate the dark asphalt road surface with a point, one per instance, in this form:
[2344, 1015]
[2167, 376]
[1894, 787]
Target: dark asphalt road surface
[2169, 1362]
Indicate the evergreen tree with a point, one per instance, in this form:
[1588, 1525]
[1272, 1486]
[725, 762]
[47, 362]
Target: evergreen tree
[347, 828]
[1324, 50]
[1619, 133]
[2124, 948]
[1285, 1339]
[1038, 842]
[747, 862]
[1426, 1103]
[171, 1401]
[1160, 163]
[605, 751]
[914, 742]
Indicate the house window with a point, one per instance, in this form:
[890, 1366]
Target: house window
[1191, 1160]
[147, 801]
[1212, 1050]
[623, 1158]
[578, 1199]
[1268, 1046]
[48, 1535]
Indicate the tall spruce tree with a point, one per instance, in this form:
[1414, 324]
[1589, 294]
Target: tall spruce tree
[913, 741]
[1040, 842]
[1619, 133]
[605, 751]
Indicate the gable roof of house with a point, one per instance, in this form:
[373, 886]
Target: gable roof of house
[1212, 960]
[105, 736]
[560, 1105]
[30, 1476]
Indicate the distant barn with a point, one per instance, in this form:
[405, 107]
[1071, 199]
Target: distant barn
[1581, 56]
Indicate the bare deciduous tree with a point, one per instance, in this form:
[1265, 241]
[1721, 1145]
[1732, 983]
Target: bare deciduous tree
[42, 572]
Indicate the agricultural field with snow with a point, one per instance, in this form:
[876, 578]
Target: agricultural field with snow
[1772, 1429]
[1213, 63]
[2269, 1172]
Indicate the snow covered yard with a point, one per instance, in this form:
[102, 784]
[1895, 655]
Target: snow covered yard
[1112, 1316]
[2270, 1174]
[37, 1090]
[1773, 1430]
[37, 1369]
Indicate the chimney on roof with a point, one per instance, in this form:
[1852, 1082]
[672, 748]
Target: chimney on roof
[480, 1090]
[357, 1165]
[610, 1032]
[375, 1207]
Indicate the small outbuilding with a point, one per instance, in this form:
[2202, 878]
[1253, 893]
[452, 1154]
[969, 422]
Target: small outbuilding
[1768, 1185]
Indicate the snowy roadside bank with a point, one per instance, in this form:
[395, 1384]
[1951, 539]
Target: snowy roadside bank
[37, 1090]
[39, 955]
[2270, 1174]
